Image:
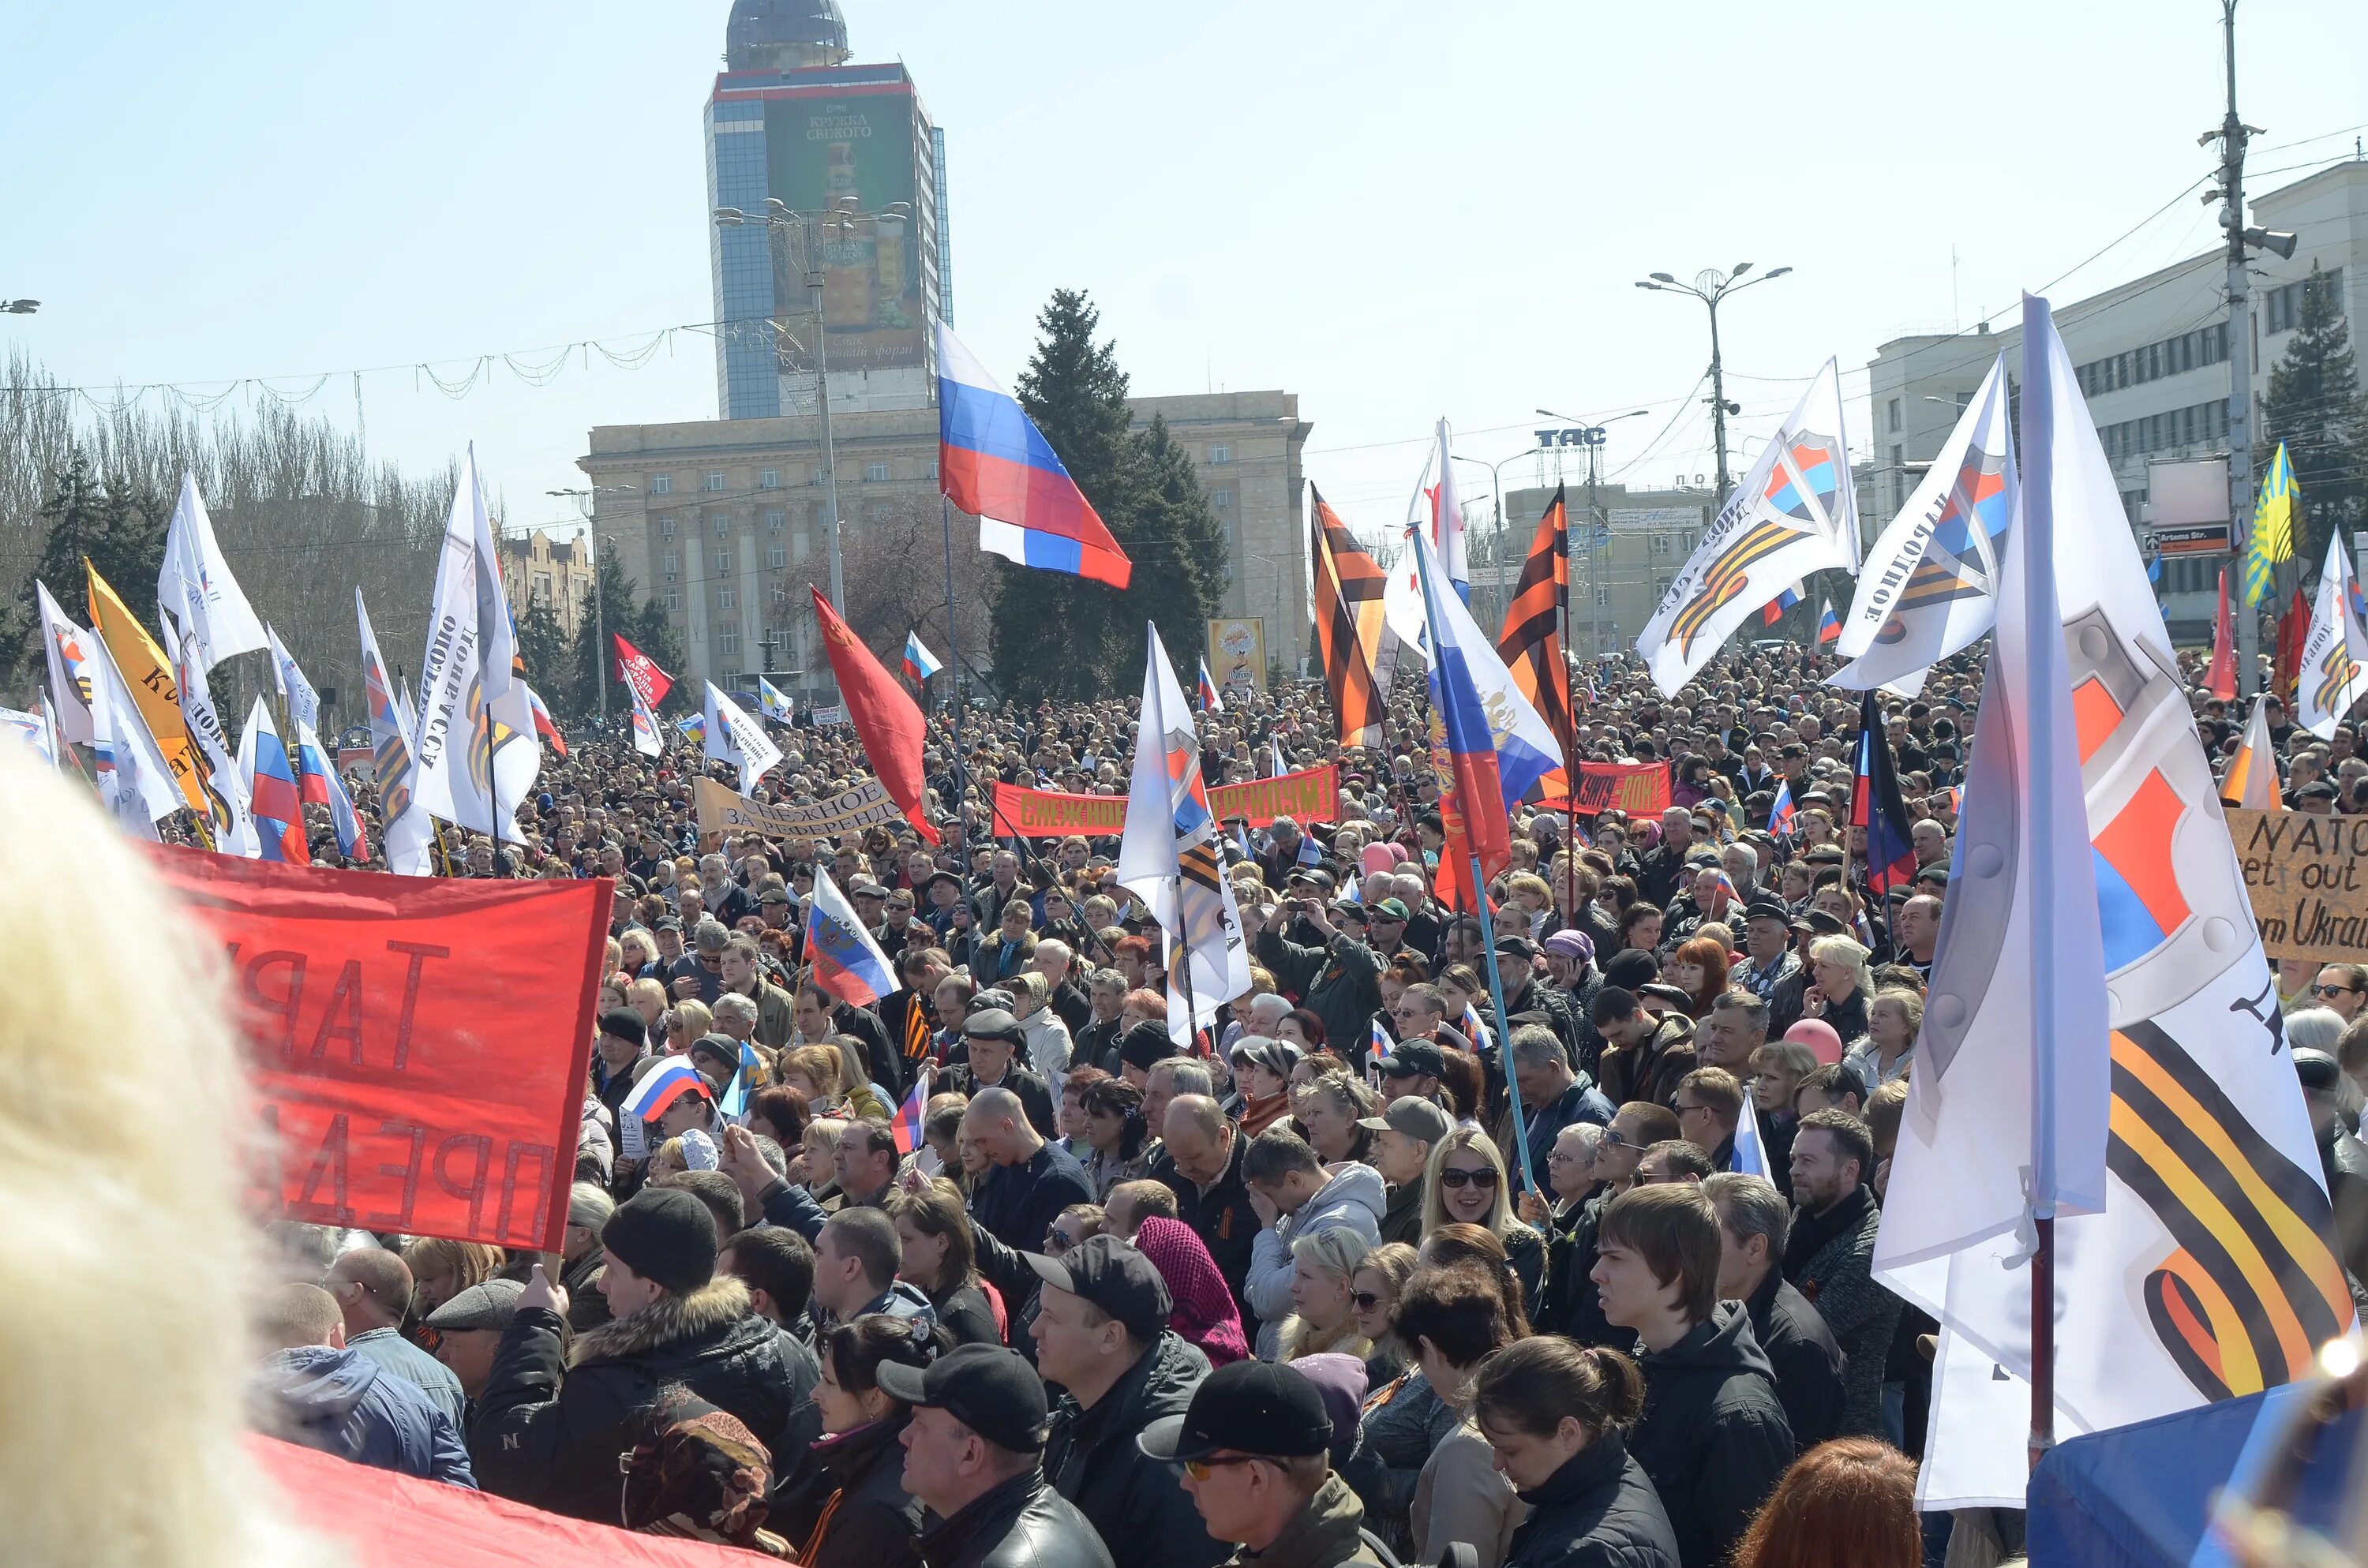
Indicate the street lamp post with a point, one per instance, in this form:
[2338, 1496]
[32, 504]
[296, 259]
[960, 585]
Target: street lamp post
[779, 218]
[1592, 438]
[1710, 286]
[585, 501]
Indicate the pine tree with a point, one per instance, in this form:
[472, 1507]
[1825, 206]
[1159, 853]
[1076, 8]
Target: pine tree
[116, 527]
[2314, 407]
[1177, 546]
[543, 646]
[642, 624]
[1053, 634]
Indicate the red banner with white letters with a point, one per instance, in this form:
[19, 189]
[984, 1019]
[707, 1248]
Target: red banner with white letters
[418, 1045]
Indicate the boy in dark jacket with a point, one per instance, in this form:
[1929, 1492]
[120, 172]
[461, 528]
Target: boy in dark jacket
[550, 1425]
[1712, 1436]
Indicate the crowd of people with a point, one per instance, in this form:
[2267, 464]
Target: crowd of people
[1371, 1272]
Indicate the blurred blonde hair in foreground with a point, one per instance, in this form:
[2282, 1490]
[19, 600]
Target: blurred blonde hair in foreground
[128, 1262]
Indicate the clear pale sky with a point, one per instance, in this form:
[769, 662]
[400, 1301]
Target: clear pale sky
[1397, 211]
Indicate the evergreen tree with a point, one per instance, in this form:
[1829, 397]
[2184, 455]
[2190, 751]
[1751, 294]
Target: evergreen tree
[117, 527]
[1053, 634]
[644, 625]
[1177, 546]
[2314, 407]
[543, 646]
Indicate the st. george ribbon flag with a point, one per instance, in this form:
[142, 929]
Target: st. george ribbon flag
[2211, 1271]
[734, 736]
[1794, 513]
[645, 725]
[229, 820]
[404, 831]
[66, 646]
[1930, 585]
[995, 464]
[2335, 654]
[1170, 858]
[196, 588]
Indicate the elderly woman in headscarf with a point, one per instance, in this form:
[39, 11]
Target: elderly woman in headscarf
[1204, 1312]
[1048, 1038]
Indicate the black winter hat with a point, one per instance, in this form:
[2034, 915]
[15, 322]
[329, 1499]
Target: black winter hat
[625, 1024]
[1146, 1043]
[667, 1236]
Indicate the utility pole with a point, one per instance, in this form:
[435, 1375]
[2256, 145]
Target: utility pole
[1719, 408]
[2233, 133]
[1710, 287]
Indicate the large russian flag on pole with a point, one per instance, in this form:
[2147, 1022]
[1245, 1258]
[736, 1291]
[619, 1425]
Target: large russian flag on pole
[994, 463]
[846, 962]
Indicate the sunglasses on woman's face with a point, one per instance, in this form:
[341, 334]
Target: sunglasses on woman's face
[1453, 1178]
[2334, 989]
[1364, 1301]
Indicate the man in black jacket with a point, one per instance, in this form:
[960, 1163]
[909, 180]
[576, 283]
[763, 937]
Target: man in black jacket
[1201, 1163]
[1829, 1255]
[991, 1038]
[1101, 1335]
[1032, 1180]
[821, 1017]
[1753, 1220]
[1712, 1436]
[551, 1423]
[972, 1455]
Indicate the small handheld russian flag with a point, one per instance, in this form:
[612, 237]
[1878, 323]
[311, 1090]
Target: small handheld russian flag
[920, 663]
[910, 1115]
[1829, 631]
[1783, 817]
[668, 1080]
[1376, 1048]
[1210, 702]
[1750, 1155]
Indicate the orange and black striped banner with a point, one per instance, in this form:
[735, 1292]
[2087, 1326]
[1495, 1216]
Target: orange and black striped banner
[2253, 1285]
[1349, 588]
[1532, 643]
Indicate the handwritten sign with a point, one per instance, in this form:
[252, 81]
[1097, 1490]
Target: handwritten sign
[2303, 873]
[723, 810]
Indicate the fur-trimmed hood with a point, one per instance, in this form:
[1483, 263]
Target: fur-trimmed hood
[670, 1320]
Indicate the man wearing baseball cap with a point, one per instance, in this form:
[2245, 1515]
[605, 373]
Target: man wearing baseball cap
[552, 1418]
[1102, 1334]
[1255, 1445]
[974, 1455]
[1404, 1134]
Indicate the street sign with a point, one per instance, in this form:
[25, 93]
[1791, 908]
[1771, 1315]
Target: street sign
[2187, 539]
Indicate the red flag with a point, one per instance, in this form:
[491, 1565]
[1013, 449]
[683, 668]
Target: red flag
[2293, 630]
[416, 1044]
[2221, 680]
[641, 672]
[885, 716]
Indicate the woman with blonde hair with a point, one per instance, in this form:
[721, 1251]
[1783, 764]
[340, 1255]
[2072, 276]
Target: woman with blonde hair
[1467, 1184]
[144, 1381]
[689, 1020]
[1893, 1018]
[1839, 985]
[1373, 1294]
[1323, 1318]
[648, 998]
[441, 1269]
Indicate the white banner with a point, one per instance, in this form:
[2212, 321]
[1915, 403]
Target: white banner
[1794, 513]
[2334, 653]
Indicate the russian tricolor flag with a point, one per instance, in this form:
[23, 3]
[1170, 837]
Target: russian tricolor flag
[920, 663]
[318, 783]
[846, 962]
[1210, 702]
[667, 1079]
[1829, 631]
[911, 1114]
[543, 725]
[1773, 611]
[1784, 816]
[279, 810]
[995, 464]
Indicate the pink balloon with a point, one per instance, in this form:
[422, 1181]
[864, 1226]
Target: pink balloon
[1820, 1037]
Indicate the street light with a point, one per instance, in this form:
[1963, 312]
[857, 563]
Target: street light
[19, 307]
[1710, 286]
[585, 500]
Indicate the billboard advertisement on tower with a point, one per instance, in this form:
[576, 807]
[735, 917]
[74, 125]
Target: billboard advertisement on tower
[860, 151]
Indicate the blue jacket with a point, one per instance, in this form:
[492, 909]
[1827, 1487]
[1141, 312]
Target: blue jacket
[342, 1402]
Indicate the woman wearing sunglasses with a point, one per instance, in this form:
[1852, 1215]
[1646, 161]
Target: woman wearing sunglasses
[1467, 1184]
[1323, 1318]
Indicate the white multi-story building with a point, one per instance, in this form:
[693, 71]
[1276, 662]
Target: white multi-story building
[2152, 355]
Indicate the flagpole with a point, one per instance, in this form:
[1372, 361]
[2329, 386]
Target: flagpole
[953, 661]
[1504, 1028]
[1570, 727]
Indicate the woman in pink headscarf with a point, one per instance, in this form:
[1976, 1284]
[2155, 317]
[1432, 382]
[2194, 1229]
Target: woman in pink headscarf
[1205, 1313]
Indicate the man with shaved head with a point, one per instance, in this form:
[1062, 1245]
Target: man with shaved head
[1201, 1163]
[372, 1286]
[1032, 1180]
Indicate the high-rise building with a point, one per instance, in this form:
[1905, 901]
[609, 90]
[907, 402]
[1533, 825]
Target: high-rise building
[841, 175]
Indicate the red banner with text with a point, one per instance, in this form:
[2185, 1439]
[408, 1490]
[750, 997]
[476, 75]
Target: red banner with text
[1640, 789]
[419, 1045]
[1313, 795]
